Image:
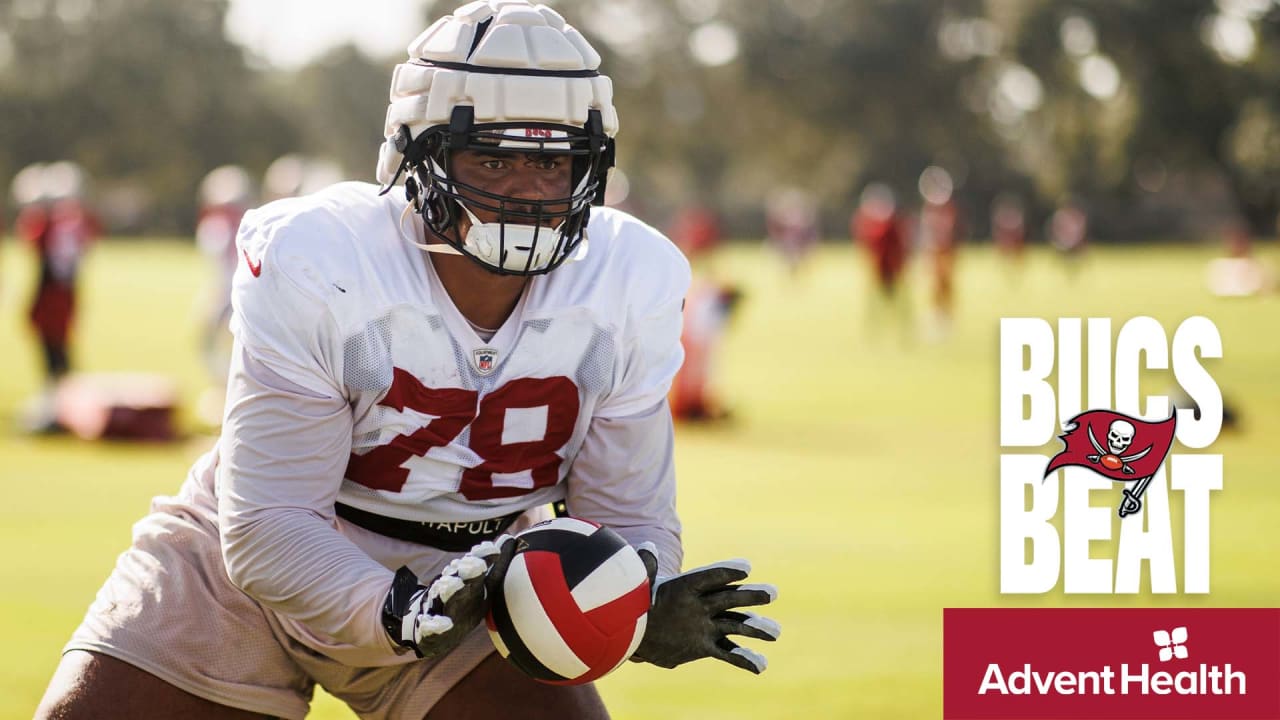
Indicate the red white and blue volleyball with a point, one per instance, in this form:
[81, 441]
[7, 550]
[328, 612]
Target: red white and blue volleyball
[573, 604]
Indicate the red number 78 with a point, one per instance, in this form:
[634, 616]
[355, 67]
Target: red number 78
[455, 409]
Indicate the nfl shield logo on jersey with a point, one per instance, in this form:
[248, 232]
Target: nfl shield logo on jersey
[486, 359]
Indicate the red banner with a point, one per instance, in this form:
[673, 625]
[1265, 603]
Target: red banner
[1100, 664]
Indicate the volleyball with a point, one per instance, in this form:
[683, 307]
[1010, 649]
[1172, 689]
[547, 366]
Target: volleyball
[573, 604]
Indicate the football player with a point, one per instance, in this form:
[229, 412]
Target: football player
[1068, 231]
[939, 240]
[708, 306]
[881, 229]
[418, 373]
[60, 228]
[791, 225]
[226, 193]
[1009, 229]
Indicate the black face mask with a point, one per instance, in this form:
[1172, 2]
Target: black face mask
[559, 223]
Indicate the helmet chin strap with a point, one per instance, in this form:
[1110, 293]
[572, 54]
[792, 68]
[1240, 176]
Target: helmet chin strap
[410, 237]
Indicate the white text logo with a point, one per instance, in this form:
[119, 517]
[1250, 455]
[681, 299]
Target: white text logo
[1052, 525]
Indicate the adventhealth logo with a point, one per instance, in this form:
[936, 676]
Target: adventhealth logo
[1137, 679]
[1172, 643]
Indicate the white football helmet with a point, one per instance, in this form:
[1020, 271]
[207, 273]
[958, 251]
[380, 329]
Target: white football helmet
[509, 74]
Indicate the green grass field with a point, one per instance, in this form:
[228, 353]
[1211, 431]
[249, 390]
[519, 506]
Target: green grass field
[859, 473]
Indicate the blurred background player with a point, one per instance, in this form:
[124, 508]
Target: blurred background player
[696, 230]
[27, 191]
[226, 193]
[939, 237]
[59, 226]
[708, 306]
[1238, 273]
[791, 225]
[294, 175]
[1069, 233]
[1009, 228]
[881, 230]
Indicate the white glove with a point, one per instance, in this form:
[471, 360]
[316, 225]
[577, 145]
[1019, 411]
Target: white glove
[433, 619]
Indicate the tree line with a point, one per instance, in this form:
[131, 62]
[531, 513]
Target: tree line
[1150, 113]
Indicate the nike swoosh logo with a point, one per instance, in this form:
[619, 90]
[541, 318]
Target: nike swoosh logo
[255, 268]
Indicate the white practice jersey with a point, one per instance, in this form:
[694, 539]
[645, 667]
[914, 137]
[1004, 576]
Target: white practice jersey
[357, 380]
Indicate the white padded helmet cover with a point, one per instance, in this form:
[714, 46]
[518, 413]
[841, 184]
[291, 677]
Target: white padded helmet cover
[521, 36]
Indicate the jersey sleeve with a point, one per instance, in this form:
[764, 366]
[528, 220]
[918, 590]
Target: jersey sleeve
[657, 278]
[283, 452]
[624, 478]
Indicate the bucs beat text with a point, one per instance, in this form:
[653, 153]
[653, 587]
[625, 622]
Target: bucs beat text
[1042, 376]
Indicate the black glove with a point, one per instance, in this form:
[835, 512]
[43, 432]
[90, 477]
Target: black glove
[433, 619]
[692, 615]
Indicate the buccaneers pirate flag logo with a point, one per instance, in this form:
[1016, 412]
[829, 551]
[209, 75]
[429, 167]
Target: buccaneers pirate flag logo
[1117, 447]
